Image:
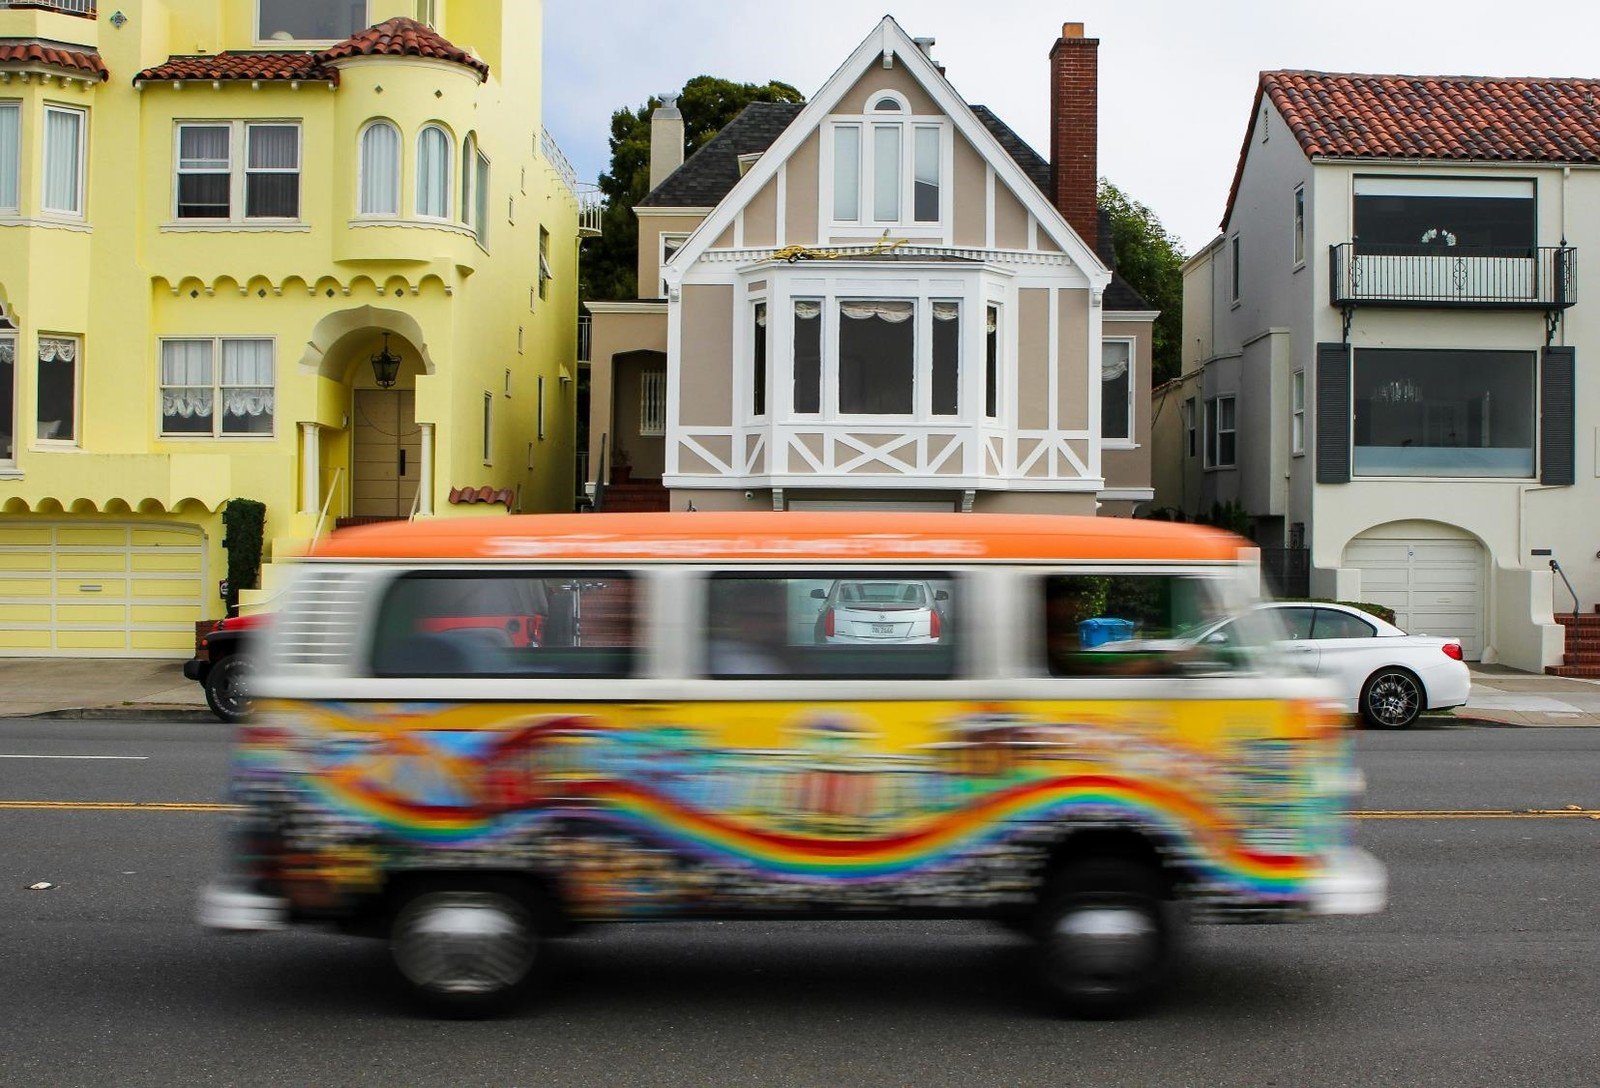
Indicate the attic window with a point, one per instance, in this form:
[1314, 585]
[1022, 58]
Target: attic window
[888, 103]
[746, 161]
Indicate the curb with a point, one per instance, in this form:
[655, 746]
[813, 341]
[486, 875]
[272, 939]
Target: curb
[145, 712]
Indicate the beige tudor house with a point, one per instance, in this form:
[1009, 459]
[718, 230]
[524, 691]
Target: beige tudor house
[882, 298]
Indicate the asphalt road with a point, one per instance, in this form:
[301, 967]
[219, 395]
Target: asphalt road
[1485, 971]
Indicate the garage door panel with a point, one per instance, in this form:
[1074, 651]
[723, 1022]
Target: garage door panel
[1434, 586]
[100, 589]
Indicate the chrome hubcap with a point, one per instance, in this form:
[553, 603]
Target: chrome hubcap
[462, 943]
[1393, 700]
[1097, 948]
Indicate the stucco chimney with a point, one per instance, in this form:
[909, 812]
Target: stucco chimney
[1075, 129]
[666, 139]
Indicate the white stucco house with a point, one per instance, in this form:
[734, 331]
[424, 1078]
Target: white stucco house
[1387, 349]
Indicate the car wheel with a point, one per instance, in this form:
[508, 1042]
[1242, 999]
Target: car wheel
[1392, 699]
[227, 688]
[1107, 937]
[464, 952]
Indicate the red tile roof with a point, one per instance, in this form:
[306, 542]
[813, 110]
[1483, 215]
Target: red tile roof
[52, 54]
[472, 496]
[251, 66]
[402, 37]
[1456, 118]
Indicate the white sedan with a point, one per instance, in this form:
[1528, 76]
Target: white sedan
[1384, 674]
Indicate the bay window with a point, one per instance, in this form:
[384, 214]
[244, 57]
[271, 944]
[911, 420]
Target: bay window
[808, 356]
[1116, 390]
[1445, 413]
[63, 160]
[434, 163]
[200, 398]
[10, 155]
[946, 358]
[877, 358]
[56, 390]
[758, 371]
[991, 364]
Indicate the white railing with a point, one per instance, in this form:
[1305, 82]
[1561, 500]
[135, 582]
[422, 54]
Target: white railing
[590, 203]
[333, 489]
[558, 160]
[585, 337]
[85, 8]
[591, 206]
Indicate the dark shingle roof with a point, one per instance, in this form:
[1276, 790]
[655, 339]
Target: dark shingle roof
[711, 173]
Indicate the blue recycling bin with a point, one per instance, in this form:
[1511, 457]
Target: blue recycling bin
[1103, 629]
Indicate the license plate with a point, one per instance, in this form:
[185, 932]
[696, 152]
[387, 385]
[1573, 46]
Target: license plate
[883, 628]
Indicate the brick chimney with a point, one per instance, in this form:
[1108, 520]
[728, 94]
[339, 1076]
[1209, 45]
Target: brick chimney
[1075, 129]
[666, 139]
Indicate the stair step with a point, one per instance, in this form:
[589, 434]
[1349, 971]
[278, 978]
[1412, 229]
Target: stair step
[1582, 657]
[1567, 619]
[1576, 672]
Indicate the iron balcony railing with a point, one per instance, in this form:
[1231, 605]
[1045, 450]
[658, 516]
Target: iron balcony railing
[585, 336]
[1528, 278]
[85, 8]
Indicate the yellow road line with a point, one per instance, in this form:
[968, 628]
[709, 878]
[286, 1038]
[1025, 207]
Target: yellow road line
[1375, 814]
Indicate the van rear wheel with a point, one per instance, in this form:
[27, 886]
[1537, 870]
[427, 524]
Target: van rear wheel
[1106, 937]
[464, 952]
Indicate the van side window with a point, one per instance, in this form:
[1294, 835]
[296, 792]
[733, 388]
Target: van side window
[1136, 625]
[507, 624]
[831, 625]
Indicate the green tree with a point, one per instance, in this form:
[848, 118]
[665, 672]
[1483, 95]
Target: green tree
[708, 103]
[1151, 259]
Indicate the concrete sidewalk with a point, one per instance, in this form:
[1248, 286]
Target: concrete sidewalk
[109, 688]
[98, 687]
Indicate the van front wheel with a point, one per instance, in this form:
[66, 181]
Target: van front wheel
[464, 953]
[1106, 937]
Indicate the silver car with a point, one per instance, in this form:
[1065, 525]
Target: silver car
[889, 611]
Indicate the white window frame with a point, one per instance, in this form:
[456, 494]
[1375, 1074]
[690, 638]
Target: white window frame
[10, 339]
[482, 195]
[400, 169]
[652, 403]
[661, 255]
[488, 429]
[14, 106]
[1297, 413]
[1235, 273]
[76, 441]
[428, 13]
[545, 275]
[217, 433]
[1132, 441]
[449, 174]
[1214, 431]
[1191, 434]
[280, 43]
[905, 225]
[80, 194]
[238, 169]
[1299, 214]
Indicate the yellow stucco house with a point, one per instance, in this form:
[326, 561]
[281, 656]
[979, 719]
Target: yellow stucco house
[316, 253]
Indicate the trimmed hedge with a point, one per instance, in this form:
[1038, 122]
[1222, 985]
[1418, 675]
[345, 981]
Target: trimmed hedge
[244, 528]
[1383, 612]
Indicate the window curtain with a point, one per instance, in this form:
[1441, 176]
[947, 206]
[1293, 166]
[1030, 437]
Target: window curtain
[186, 391]
[10, 154]
[380, 170]
[247, 385]
[433, 174]
[895, 313]
[62, 161]
[1113, 361]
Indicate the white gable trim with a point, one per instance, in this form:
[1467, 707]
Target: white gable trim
[891, 42]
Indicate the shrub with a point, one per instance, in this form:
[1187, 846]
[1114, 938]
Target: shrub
[244, 523]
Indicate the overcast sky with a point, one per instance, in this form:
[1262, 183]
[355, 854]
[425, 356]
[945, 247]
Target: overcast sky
[1176, 76]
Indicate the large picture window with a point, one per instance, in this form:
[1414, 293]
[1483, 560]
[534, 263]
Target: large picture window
[877, 357]
[309, 20]
[60, 363]
[218, 388]
[1445, 413]
[1462, 217]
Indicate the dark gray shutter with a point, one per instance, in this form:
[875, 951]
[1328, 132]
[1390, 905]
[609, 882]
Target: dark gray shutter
[1333, 413]
[1557, 460]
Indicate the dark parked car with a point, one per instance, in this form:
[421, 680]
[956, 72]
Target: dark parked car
[221, 666]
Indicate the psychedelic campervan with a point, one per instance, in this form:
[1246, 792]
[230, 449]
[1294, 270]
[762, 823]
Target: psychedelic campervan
[655, 726]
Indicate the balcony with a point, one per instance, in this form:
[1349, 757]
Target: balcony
[585, 336]
[1478, 277]
[590, 203]
[83, 8]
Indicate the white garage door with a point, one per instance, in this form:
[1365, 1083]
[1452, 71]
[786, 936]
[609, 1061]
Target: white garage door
[99, 589]
[1434, 586]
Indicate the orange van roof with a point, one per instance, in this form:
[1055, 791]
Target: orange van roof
[786, 537]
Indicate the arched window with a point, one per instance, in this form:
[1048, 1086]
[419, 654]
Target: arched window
[433, 173]
[889, 102]
[469, 156]
[380, 170]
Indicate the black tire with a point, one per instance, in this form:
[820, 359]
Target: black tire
[226, 688]
[464, 952]
[1392, 698]
[1107, 937]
